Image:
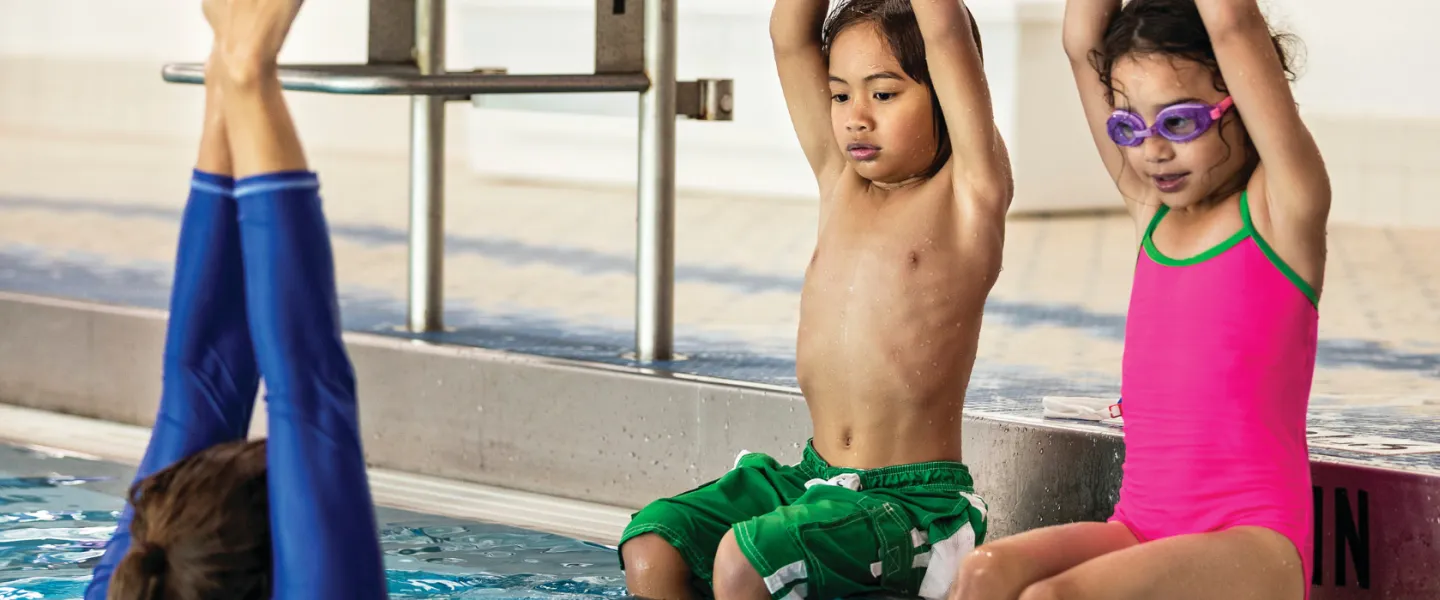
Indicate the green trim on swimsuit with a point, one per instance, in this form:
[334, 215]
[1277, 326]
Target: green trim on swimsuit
[1160, 257]
[1295, 278]
[1247, 229]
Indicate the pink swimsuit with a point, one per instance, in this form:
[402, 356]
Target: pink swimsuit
[1219, 357]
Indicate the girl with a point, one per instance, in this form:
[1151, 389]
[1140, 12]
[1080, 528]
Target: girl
[254, 295]
[1190, 106]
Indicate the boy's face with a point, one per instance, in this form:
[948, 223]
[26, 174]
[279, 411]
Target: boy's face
[882, 119]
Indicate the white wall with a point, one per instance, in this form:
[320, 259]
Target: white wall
[1360, 62]
[92, 68]
[1359, 66]
[89, 68]
[1365, 59]
[1368, 92]
[592, 138]
[163, 30]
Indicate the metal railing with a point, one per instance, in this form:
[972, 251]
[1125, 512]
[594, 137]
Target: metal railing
[634, 52]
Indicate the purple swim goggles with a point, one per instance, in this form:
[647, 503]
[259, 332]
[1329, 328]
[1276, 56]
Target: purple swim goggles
[1179, 123]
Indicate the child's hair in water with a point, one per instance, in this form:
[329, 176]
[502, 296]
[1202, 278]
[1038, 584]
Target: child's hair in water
[1174, 28]
[201, 529]
[896, 21]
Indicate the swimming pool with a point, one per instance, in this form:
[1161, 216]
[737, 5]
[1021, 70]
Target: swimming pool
[57, 511]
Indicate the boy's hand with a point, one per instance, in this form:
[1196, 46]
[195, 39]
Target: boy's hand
[250, 33]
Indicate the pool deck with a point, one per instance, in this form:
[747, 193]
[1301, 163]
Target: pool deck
[549, 271]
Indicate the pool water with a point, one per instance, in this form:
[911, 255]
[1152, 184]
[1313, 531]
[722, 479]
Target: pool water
[57, 512]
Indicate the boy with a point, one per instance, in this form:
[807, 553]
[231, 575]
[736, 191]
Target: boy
[893, 113]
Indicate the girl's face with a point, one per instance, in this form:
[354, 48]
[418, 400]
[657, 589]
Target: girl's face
[1184, 173]
[882, 119]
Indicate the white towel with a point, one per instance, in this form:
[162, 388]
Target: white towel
[1084, 409]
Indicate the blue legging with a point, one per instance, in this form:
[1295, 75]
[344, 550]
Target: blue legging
[254, 296]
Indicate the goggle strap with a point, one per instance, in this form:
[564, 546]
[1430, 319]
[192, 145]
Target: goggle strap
[1222, 107]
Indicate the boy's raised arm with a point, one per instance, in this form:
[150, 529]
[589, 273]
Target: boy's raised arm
[981, 162]
[805, 80]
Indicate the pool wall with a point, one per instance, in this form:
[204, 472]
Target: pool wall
[623, 436]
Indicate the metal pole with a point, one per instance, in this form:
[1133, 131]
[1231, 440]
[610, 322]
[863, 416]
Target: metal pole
[655, 223]
[427, 176]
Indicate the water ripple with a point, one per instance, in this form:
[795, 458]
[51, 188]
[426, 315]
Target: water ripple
[48, 555]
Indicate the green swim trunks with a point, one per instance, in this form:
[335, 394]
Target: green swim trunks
[817, 531]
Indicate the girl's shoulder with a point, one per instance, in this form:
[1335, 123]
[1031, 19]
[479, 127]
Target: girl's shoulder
[1293, 238]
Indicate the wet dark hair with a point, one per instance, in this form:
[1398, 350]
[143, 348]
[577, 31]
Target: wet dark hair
[1175, 29]
[201, 529]
[897, 23]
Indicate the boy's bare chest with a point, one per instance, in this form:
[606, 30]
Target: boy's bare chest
[882, 258]
[906, 234]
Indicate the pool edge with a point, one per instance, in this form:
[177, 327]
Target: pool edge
[94, 439]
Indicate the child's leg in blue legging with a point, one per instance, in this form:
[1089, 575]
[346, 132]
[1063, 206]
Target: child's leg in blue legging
[210, 376]
[323, 527]
[322, 522]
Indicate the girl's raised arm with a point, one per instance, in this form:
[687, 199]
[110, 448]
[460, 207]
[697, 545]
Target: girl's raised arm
[1297, 187]
[1084, 34]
